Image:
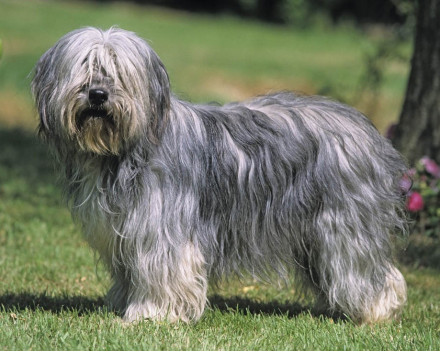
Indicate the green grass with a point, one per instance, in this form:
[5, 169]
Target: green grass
[51, 292]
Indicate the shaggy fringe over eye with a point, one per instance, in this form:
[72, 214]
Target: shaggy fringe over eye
[174, 195]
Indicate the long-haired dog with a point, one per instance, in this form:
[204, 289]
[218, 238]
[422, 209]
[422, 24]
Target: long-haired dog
[172, 194]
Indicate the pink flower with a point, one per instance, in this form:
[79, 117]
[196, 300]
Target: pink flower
[414, 202]
[405, 183]
[431, 166]
[411, 172]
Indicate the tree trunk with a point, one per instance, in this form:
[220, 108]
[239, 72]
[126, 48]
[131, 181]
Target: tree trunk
[418, 131]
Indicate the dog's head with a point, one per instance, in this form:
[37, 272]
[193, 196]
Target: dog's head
[101, 90]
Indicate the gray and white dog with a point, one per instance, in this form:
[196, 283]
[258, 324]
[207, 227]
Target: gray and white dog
[172, 194]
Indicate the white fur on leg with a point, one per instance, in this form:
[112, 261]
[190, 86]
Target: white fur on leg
[390, 301]
[179, 292]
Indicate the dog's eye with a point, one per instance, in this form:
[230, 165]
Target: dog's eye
[107, 81]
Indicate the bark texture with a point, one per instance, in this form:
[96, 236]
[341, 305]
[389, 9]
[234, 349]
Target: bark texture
[418, 131]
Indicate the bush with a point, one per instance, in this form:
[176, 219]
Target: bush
[423, 201]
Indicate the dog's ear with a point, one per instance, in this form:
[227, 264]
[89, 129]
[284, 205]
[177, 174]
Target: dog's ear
[159, 96]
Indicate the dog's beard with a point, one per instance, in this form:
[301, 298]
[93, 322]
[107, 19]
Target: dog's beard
[97, 130]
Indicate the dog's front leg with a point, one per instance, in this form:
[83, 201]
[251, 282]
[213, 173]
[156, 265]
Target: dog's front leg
[169, 284]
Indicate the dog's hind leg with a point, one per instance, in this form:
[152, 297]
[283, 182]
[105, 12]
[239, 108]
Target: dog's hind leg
[355, 271]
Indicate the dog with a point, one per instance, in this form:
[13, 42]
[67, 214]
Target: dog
[173, 195]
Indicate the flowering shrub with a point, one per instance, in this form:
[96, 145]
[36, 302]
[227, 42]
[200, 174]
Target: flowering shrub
[423, 199]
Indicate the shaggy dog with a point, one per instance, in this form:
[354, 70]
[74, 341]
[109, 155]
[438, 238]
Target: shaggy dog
[172, 194]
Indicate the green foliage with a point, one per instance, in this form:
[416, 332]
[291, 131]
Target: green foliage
[297, 13]
[389, 50]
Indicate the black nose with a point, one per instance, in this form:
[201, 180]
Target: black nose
[98, 96]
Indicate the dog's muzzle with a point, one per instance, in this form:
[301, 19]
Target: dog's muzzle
[97, 108]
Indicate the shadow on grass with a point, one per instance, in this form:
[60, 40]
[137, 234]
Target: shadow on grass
[11, 302]
[246, 306]
[23, 155]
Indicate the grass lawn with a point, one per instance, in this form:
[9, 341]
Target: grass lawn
[50, 288]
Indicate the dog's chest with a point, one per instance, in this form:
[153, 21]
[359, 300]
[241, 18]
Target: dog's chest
[100, 216]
